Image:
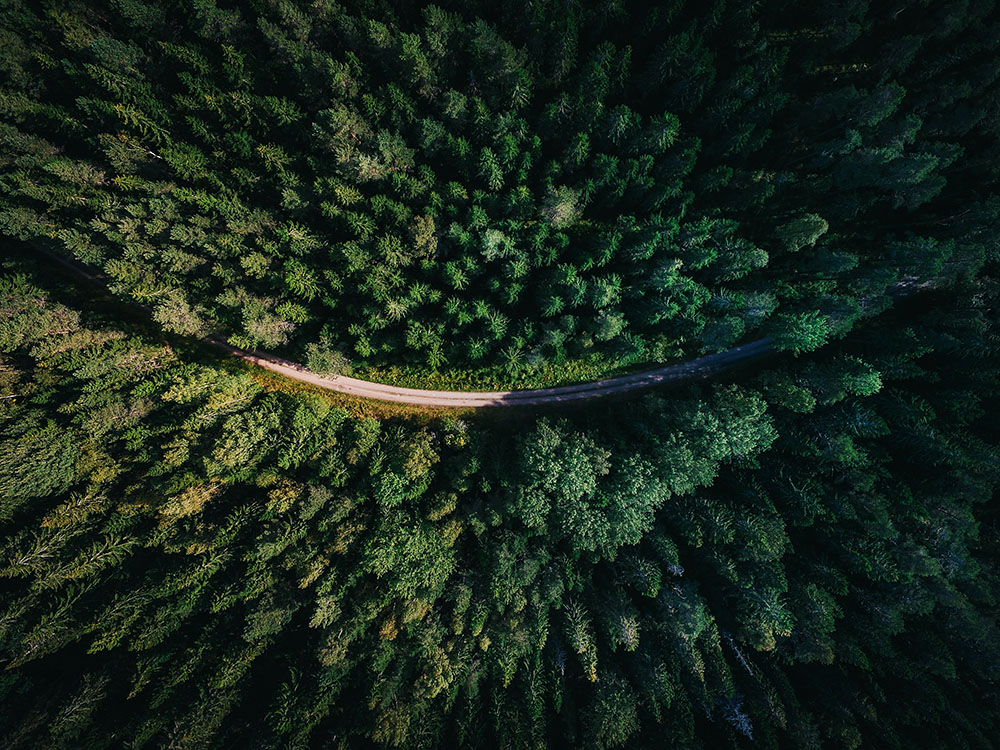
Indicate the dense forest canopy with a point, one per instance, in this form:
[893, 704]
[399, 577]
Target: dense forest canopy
[804, 553]
[503, 186]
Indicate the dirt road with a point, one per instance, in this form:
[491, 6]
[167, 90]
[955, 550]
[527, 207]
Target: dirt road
[694, 369]
[702, 367]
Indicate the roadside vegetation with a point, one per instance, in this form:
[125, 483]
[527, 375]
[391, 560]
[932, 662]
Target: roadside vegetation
[196, 553]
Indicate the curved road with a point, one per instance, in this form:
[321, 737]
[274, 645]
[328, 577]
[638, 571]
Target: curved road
[694, 369]
[690, 370]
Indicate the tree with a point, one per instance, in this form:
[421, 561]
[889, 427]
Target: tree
[36, 460]
[799, 332]
[803, 231]
[560, 209]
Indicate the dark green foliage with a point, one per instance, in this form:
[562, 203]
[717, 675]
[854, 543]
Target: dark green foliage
[803, 559]
[438, 180]
[803, 555]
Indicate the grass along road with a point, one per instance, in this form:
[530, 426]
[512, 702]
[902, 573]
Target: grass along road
[690, 370]
[694, 369]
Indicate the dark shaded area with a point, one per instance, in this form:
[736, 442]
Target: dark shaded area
[802, 554]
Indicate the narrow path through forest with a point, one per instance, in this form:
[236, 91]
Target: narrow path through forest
[680, 372]
[694, 369]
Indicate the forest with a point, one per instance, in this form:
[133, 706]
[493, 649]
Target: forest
[802, 552]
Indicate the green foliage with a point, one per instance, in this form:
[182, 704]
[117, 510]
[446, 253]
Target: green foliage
[197, 554]
[609, 573]
[398, 171]
[802, 232]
